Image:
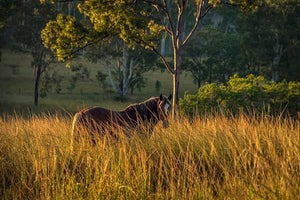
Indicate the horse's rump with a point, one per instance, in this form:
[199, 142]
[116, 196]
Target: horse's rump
[97, 120]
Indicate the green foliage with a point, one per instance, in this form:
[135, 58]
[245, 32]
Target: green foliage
[64, 35]
[79, 73]
[48, 81]
[270, 39]
[212, 55]
[242, 95]
[138, 81]
[135, 22]
[46, 85]
[7, 10]
[72, 85]
[130, 20]
[101, 78]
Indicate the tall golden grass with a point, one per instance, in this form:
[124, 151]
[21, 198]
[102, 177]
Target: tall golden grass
[213, 157]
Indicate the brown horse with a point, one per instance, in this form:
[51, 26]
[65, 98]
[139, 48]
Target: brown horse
[148, 113]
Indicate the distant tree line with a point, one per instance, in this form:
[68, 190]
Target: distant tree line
[263, 42]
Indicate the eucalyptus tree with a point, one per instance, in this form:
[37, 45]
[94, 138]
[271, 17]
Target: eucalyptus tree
[28, 21]
[136, 23]
[123, 66]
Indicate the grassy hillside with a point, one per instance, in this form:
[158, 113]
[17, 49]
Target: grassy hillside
[17, 87]
[210, 158]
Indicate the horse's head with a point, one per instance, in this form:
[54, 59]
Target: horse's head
[164, 109]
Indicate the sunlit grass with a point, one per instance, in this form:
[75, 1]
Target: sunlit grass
[206, 158]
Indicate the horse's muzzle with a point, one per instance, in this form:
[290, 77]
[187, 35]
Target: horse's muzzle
[165, 123]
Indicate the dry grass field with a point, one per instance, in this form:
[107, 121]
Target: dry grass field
[213, 157]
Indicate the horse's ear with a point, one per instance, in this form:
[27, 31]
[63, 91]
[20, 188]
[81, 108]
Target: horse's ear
[161, 97]
[170, 97]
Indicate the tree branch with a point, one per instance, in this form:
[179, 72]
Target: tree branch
[163, 21]
[157, 53]
[81, 48]
[48, 62]
[198, 18]
[178, 27]
[165, 9]
[231, 4]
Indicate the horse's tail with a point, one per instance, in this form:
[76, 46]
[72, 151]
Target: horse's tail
[80, 127]
[76, 120]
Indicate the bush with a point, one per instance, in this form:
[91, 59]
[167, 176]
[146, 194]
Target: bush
[242, 95]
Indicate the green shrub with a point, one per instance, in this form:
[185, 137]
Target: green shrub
[242, 95]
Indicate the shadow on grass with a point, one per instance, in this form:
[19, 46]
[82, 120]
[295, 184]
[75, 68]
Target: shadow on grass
[27, 110]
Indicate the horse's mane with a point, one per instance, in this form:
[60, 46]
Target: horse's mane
[143, 107]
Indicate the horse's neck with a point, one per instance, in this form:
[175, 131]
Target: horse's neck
[134, 113]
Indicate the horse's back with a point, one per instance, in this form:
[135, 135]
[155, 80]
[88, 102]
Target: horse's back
[93, 118]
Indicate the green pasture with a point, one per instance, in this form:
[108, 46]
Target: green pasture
[17, 87]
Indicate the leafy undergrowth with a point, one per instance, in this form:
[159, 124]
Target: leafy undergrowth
[207, 158]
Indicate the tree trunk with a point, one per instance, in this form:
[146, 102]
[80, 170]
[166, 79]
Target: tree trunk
[36, 85]
[124, 71]
[199, 79]
[69, 8]
[176, 78]
[125, 65]
[276, 60]
[112, 81]
[175, 102]
[274, 73]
